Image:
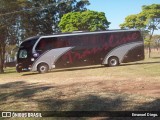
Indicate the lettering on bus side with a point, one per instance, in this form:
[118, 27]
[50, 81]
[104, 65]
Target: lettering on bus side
[100, 44]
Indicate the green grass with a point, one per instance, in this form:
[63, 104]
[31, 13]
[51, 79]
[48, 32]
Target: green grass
[9, 72]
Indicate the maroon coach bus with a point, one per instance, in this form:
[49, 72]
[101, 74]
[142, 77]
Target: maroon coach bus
[42, 53]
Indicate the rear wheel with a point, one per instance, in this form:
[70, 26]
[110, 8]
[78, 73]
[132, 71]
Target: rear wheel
[43, 68]
[113, 61]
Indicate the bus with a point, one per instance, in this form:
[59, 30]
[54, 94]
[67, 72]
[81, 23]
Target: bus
[109, 48]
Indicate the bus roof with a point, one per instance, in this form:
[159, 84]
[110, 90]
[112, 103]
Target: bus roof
[78, 33]
[34, 37]
[85, 33]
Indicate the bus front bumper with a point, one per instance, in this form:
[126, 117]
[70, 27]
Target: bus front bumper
[21, 68]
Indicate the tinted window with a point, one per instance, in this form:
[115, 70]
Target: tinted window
[29, 43]
[50, 43]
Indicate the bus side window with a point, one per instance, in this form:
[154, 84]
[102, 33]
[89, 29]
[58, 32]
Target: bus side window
[45, 44]
[40, 46]
[59, 43]
[48, 44]
[51, 43]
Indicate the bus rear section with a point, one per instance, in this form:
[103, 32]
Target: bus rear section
[109, 48]
[127, 46]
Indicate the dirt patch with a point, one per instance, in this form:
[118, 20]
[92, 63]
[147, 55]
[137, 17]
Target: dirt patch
[140, 86]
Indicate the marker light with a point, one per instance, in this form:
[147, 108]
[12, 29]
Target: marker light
[35, 54]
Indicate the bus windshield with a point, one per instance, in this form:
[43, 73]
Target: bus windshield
[29, 42]
[26, 47]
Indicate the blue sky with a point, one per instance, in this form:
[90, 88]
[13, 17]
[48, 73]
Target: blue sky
[117, 10]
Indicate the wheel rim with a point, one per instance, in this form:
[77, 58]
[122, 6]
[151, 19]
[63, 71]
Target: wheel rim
[113, 62]
[42, 68]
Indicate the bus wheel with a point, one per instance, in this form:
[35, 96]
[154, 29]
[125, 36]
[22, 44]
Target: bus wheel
[43, 68]
[18, 69]
[113, 61]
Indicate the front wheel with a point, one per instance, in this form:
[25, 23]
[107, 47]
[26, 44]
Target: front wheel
[113, 61]
[18, 68]
[43, 68]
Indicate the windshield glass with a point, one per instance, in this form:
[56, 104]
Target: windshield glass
[29, 42]
[23, 53]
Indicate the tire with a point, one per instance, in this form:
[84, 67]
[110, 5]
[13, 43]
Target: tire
[113, 61]
[43, 68]
[18, 69]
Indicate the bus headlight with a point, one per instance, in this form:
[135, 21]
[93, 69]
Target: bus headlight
[32, 59]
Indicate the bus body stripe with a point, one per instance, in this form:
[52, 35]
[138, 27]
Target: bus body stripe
[50, 57]
[121, 51]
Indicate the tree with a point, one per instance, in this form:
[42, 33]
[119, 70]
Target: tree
[85, 21]
[2, 47]
[148, 20]
[156, 40]
[152, 14]
[6, 25]
[133, 22]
